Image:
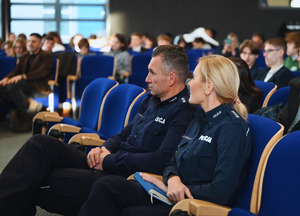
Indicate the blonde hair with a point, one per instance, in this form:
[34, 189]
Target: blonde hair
[223, 73]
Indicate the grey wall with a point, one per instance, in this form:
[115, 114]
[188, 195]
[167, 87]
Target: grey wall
[178, 16]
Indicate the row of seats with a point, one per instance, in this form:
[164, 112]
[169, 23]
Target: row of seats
[106, 107]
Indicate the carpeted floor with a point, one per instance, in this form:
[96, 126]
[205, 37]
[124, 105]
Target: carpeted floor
[10, 143]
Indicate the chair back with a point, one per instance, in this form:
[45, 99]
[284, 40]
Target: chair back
[135, 106]
[7, 64]
[280, 187]
[295, 74]
[264, 133]
[267, 89]
[139, 69]
[93, 67]
[260, 61]
[280, 96]
[114, 111]
[92, 99]
[193, 56]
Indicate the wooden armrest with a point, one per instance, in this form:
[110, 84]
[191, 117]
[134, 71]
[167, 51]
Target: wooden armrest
[65, 128]
[52, 118]
[72, 77]
[69, 79]
[201, 208]
[52, 83]
[43, 114]
[159, 177]
[87, 139]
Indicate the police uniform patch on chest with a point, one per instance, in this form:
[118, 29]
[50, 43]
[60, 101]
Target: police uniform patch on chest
[160, 120]
[205, 138]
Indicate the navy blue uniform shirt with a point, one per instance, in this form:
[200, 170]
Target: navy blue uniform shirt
[211, 157]
[149, 141]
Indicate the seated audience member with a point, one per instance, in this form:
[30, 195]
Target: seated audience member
[249, 94]
[61, 176]
[293, 47]
[29, 78]
[163, 39]
[136, 43]
[22, 36]
[19, 47]
[11, 37]
[7, 46]
[290, 115]
[231, 46]
[84, 47]
[259, 39]
[150, 42]
[206, 34]
[249, 52]
[48, 43]
[73, 44]
[179, 41]
[58, 45]
[275, 72]
[122, 58]
[210, 160]
[199, 43]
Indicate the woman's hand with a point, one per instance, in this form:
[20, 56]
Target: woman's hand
[154, 181]
[177, 191]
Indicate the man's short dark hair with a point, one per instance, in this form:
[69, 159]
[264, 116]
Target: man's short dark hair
[175, 59]
[37, 35]
[277, 42]
[49, 37]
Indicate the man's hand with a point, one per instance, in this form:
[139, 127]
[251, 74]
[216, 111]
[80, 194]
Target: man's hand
[4, 81]
[96, 156]
[93, 157]
[177, 190]
[102, 155]
[15, 79]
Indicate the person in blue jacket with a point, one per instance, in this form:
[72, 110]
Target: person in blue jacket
[58, 177]
[210, 160]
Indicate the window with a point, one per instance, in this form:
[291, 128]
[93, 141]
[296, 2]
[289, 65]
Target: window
[68, 17]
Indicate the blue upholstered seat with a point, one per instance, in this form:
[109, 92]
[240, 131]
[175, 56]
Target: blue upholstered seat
[116, 110]
[91, 102]
[279, 96]
[267, 89]
[139, 68]
[280, 186]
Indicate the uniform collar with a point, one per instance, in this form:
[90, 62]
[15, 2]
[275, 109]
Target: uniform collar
[213, 115]
[181, 95]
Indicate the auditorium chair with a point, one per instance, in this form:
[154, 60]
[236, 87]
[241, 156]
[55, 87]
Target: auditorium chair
[267, 89]
[279, 188]
[91, 102]
[114, 115]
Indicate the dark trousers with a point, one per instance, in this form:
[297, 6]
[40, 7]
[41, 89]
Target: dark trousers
[115, 196]
[18, 93]
[48, 173]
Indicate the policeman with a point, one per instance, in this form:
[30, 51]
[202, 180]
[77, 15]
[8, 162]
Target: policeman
[65, 175]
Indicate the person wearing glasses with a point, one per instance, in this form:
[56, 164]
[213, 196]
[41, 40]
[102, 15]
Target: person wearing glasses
[275, 72]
